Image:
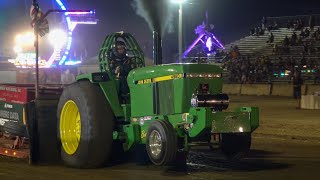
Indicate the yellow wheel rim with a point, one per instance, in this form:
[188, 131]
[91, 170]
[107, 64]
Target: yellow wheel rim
[70, 127]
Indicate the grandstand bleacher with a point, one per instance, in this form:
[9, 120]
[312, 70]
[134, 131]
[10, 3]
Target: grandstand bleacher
[252, 48]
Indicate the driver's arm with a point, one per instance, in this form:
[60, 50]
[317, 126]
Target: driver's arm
[113, 66]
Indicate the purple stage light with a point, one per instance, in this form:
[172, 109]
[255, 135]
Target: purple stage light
[209, 43]
[79, 13]
[192, 46]
[206, 37]
[220, 44]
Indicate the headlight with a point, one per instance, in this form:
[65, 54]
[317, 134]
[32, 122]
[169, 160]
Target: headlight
[194, 101]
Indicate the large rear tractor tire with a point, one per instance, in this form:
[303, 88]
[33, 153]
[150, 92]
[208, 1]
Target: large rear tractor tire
[85, 126]
[235, 145]
[161, 143]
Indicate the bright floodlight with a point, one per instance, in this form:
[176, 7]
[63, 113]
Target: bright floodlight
[178, 1]
[17, 49]
[25, 39]
[58, 38]
[18, 38]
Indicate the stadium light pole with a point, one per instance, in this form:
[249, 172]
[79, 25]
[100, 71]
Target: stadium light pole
[180, 2]
[36, 44]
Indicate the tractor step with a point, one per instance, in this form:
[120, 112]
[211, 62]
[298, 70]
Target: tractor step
[202, 144]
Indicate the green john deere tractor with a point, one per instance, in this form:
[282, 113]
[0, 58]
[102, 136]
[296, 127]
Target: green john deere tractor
[168, 109]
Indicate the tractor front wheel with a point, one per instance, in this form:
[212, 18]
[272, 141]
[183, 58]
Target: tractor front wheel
[85, 126]
[161, 143]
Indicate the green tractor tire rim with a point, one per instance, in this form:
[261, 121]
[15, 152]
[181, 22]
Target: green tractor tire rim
[155, 143]
[70, 127]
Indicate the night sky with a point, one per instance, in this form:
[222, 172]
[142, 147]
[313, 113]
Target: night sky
[232, 20]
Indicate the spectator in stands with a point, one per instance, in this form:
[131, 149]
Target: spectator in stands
[301, 24]
[289, 24]
[252, 31]
[303, 61]
[261, 31]
[275, 49]
[236, 48]
[264, 23]
[297, 83]
[299, 40]
[275, 25]
[243, 78]
[316, 34]
[307, 32]
[311, 64]
[311, 22]
[292, 64]
[271, 38]
[294, 39]
[270, 27]
[311, 48]
[305, 48]
[296, 25]
[286, 41]
[302, 34]
[256, 31]
[234, 52]
[281, 65]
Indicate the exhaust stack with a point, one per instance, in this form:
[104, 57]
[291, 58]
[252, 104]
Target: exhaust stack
[157, 48]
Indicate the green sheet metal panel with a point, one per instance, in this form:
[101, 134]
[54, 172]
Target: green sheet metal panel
[254, 115]
[166, 97]
[231, 122]
[141, 100]
[204, 120]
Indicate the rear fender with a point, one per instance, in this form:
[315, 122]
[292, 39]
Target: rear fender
[109, 88]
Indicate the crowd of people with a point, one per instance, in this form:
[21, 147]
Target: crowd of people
[299, 40]
[261, 28]
[283, 63]
[245, 69]
[295, 24]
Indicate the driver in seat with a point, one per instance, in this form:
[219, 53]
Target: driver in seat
[120, 66]
[120, 63]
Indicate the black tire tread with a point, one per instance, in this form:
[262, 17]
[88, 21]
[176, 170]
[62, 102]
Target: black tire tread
[170, 141]
[96, 125]
[235, 146]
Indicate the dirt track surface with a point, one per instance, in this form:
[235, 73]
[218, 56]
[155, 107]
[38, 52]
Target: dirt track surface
[280, 117]
[286, 146]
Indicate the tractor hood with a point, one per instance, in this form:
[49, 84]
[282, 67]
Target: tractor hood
[168, 89]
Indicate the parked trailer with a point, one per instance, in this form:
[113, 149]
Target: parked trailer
[28, 127]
